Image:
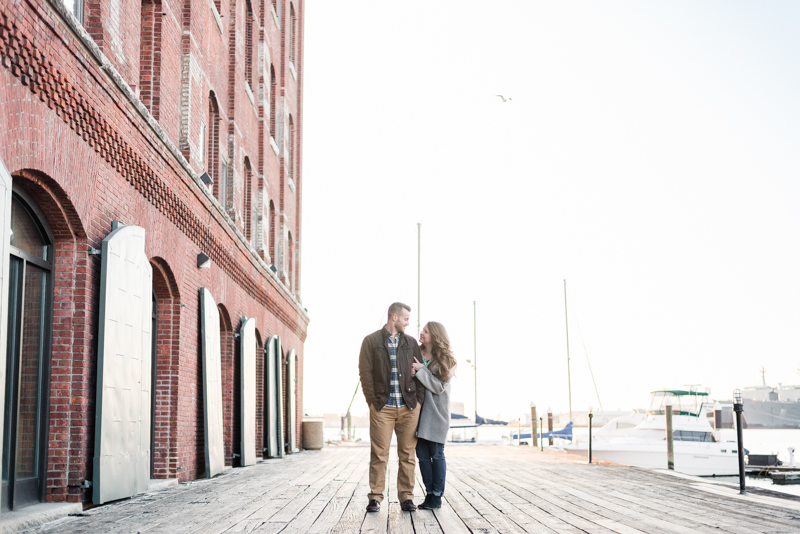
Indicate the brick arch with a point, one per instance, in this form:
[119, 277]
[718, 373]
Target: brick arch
[71, 409]
[167, 362]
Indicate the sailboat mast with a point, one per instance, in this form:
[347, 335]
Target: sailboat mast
[569, 381]
[419, 271]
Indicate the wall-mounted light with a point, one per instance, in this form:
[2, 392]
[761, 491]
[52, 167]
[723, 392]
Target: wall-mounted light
[206, 179]
[273, 268]
[203, 261]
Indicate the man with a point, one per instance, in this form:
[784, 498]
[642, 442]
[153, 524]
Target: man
[395, 399]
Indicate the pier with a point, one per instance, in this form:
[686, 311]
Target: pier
[489, 489]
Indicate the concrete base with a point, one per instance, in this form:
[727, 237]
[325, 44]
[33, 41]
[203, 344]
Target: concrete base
[37, 514]
[158, 484]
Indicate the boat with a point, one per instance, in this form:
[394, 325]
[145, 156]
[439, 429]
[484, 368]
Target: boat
[696, 445]
[771, 407]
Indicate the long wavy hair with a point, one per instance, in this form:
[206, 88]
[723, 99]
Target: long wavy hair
[441, 353]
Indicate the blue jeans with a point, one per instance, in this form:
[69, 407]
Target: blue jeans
[432, 466]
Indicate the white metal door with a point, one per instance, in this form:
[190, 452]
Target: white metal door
[122, 421]
[5, 242]
[274, 398]
[248, 374]
[291, 383]
[212, 384]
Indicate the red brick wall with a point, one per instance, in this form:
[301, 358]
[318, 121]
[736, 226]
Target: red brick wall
[76, 141]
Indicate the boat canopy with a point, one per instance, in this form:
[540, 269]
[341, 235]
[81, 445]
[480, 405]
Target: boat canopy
[680, 392]
[683, 402]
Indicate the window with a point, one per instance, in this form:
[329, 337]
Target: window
[691, 435]
[213, 144]
[76, 8]
[150, 56]
[249, 38]
[202, 144]
[292, 29]
[248, 204]
[272, 227]
[290, 144]
[223, 184]
[272, 111]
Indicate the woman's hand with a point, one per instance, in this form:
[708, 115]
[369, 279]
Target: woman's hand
[416, 366]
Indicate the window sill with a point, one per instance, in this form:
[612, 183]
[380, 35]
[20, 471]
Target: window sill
[274, 146]
[275, 17]
[216, 14]
[249, 93]
[293, 70]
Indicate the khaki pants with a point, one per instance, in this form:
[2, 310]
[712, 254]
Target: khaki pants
[381, 424]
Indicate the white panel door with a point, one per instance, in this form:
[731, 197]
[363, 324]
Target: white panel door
[5, 242]
[122, 420]
[248, 373]
[212, 384]
[291, 409]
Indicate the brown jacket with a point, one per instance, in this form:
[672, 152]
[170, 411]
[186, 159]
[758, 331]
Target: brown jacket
[374, 369]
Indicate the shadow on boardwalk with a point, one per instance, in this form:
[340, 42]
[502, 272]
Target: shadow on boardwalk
[489, 489]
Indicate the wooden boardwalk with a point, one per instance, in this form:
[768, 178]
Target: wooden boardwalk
[489, 489]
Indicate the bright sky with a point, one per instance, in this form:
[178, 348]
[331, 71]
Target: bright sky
[649, 156]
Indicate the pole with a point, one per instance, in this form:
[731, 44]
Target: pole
[419, 240]
[739, 408]
[590, 437]
[519, 431]
[475, 357]
[569, 381]
[670, 448]
[534, 440]
[541, 439]
[550, 423]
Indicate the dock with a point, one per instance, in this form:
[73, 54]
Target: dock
[490, 489]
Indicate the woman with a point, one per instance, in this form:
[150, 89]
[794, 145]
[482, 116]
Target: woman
[434, 372]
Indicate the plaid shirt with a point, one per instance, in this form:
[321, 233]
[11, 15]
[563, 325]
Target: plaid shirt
[395, 392]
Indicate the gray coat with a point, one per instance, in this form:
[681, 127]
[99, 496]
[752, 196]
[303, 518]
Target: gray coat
[434, 421]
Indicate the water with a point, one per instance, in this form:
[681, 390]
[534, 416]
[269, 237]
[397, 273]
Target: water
[756, 441]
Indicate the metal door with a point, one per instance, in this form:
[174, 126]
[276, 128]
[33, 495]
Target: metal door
[273, 395]
[212, 384]
[248, 398]
[124, 359]
[291, 409]
[5, 237]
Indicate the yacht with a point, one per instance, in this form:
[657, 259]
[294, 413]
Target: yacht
[640, 439]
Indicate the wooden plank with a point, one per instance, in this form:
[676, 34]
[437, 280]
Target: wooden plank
[354, 513]
[311, 512]
[378, 522]
[399, 521]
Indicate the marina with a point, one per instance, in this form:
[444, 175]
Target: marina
[489, 489]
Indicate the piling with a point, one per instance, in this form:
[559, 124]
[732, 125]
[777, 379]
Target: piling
[738, 407]
[541, 440]
[670, 451]
[534, 430]
[590, 436]
[550, 423]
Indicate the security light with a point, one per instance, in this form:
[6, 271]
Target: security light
[206, 179]
[203, 261]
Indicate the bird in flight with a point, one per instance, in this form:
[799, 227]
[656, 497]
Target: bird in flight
[504, 98]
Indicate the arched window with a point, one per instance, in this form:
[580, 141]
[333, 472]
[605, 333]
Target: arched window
[272, 227]
[30, 303]
[150, 56]
[217, 167]
[250, 37]
[248, 204]
[292, 29]
[290, 147]
[272, 110]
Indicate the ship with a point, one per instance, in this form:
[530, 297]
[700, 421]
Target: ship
[771, 407]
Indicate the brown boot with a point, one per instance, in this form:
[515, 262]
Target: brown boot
[408, 506]
[373, 506]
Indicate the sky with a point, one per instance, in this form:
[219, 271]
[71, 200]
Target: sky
[648, 156]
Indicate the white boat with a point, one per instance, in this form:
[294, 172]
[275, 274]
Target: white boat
[697, 447]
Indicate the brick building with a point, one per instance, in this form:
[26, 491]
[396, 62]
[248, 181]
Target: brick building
[179, 122]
